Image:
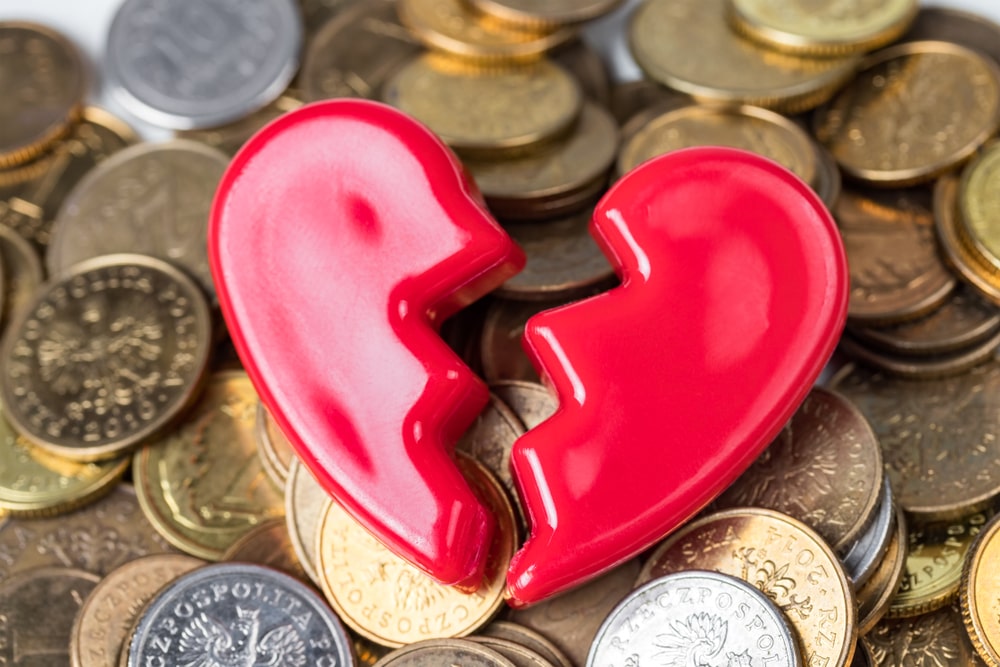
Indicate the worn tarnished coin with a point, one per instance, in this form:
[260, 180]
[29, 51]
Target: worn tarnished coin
[750, 128]
[200, 63]
[664, 35]
[566, 166]
[436, 652]
[275, 452]
[939, 101]
[980, 593]
[37, 610]
[43, 80]
[979, 205]
[535, 13]
[587, 66]
[963, 321]
[450, 26]
[571, 620]
[106, 356]
[934, 561]
[30, 196]
[938, 436]
[530, 401]
[824, 468]
[922, 368]
[631, 98]
[268, 544]
[896, 271]
[930, 639]
[305, 500]
[34, 483]
[237, 613]
[782, 557]
[529, 638]
[103, 622]
[948, 24]
[202, 486]
[500, 352]
[152, 199]
[97, 538]
[231, 137]
[317, 13]
[963, 259]
[563, 260]
[852, 26]
[829, 182]
[521, 656]
[487, 113]
[489, 440]
[389, 601]
[861, 558]
[22, 274]
[353, 54]
[875, 595]
[704, 614]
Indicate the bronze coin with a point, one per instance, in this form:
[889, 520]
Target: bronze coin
[501, 353]
[43, 81]
[275, 452]
[970, 265]
[439, 652]
[947, 24]
[937, 638]
[896, 271]
[527, 637]
[631, 98]
[22, 274]
[582, 61]
[938, 436]
[530, 401]
[268, 544]
[876, 594]
[535, 13]
[922, 368]
[521, 656]
[825, 469]
[489, 440]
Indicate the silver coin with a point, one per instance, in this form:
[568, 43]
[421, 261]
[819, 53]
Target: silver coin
[238, 614]
[190, 64]
[152, 199]
[862, 558]
[695, 618]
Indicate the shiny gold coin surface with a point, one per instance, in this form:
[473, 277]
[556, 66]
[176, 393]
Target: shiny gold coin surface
[665, 35]
[980, 593]
[268, 544]
[824, 469]
[896, 271]
[876, 594]
[450, 26]
[102, 625]
[230, 138]
[31, 195]
[457, 652]
[966, 262]
[202, 486]
[750, 128]
[571, 620]
[934, 561]
[979, 205]
[783, 558]
[827, 29]
[44, 83]
[914, 111]
[487, 113]
[97, 538]
[35, 483]
[353, 54]
[530, 401]
[387, 600]
[557, 169]
[305, 501]
[276, 453]
[37, 608]
[22, 274]
[106, 357]
[938, 436]
[931, 639]
[533, 13]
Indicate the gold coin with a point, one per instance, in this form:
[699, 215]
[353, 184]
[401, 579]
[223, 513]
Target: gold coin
[535, 13]
[102, 625]
[977, 273]
[44, 84]
[979, 204]
[305, 500]
[876, 594]
[449, 26]
[750, 128]
[934, 562]
[202, 486]
[980, 593]
[935, 639]
[230, 138]
[827, 29]
[268, 544]
[276, 453]
[782, 557]
[483, 114]
[34, 483]
[666, 35]
[22, 274]
[913, 112]
[36, 191]
[389, 601]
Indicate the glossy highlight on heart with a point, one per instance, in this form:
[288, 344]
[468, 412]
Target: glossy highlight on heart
[734, 293]
[341, 236]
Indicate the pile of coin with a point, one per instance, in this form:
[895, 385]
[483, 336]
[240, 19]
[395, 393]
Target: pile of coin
[134, 450]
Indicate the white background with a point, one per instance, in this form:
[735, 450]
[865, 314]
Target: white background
[86, 22]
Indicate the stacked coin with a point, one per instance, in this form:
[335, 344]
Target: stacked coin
[857, 521]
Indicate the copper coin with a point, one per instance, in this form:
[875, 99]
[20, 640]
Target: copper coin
[530, 401]
[824, 468]
[938, 436]
[896, 271]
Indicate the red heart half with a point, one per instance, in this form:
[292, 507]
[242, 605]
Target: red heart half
[734, 293]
